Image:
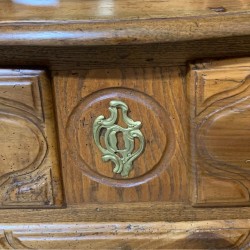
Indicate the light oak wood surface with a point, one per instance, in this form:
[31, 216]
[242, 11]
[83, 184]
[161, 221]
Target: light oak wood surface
[30, 174]
[120, 212]
[219, 93]
[23, 10]
[127, 235]
[178, 75]
[77, 33]
[177, 197]
[161, 172]
[62, 22]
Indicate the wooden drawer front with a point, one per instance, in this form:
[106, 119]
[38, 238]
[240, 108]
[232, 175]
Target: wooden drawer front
[220, 132]
[213, 148]
[29, 171]
[156, 98]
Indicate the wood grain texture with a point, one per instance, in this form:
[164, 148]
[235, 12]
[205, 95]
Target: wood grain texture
[128, 235]
[219, 93]
[135, 51]
[22, 10]
[160, 174]
[119, 22]
[29, 173]
[122, 212]
[77, 33]
[149, 55]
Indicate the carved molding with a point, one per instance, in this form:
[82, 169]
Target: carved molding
[32, 189]
[218, 84]
[189, 235]
[26, 122]
[79, 137]
[228, 119]
[21, 89]
[11, 242]
[220, 134]
[22, 127]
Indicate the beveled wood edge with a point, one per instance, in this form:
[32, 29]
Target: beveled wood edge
[87, 33]
[144, 212]
[160, 226]
[232, 233]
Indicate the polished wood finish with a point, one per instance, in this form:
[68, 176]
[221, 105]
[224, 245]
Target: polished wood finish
[79, 33]
[189, 189]
[219, 93]
[93, 10]
[116, 212]
[64, 22]
[161, 172]
[158, 235]
[29, 173]
[95, 57]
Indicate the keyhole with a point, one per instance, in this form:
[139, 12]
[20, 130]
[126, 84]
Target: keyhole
[120, 142]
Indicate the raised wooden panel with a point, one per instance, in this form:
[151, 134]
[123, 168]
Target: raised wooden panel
[220, 133]
[156, 235]
[29, 169]
[160, 173]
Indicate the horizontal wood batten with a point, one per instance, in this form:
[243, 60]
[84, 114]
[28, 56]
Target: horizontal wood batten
[146, 212]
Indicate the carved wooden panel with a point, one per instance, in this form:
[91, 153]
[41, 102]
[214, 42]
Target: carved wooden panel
[29, 170]
[160, 172]
[154, 235]
[220, 132]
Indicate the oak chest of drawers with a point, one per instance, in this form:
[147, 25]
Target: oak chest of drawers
[124, 125]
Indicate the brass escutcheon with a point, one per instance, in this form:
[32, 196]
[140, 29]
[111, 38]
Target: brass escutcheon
[122, 158]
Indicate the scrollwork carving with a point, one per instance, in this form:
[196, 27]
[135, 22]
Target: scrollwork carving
[122, 158]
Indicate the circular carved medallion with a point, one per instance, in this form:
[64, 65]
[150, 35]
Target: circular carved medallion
[156, 128]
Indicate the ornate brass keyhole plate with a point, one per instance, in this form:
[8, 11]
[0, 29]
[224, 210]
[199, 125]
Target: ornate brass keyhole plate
[122, 158]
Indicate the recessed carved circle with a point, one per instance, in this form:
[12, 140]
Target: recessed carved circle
[157, 129]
